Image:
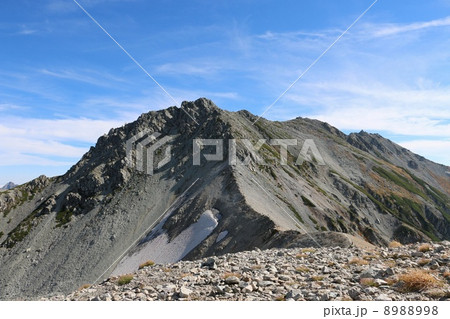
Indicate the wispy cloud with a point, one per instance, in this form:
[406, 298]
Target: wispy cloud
[94, 77]
[9, 107]
[27, 31]
[189, 68]
[32, 141]
[68, 6]
[437, 149]
[377, 107]
[393, 29]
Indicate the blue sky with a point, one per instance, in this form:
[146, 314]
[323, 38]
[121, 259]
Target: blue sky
[63, 82]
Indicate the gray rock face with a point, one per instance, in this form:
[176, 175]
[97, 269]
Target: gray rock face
[75, 227]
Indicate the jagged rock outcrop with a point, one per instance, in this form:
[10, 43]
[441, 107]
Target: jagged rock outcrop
[59, 233]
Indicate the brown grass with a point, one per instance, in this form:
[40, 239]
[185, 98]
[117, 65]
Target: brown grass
[358, 261]
[368, 282]
[424, 248]
[390, 263]
[308, 250]
[395, 244]
[317, 278]
[369, 257]
[85, 286]
[302, 269]
[148, 263]
[230, 274]
[418, 280]
[391, 281]
[423, 261]
[125, 279]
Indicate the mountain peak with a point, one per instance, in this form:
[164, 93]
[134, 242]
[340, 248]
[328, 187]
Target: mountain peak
[9, 185]
[199, 108]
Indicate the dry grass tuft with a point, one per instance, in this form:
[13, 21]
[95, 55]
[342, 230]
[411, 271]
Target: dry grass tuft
[85, 286]
[317, 278]
[417, 280]
[369, 257]
[423, 261]
[125, 279]
[302, 269]
[368, 282]
[424, 248]
[148, 263]
[395, 244]
[391, 281]
[230, 274]
[358, 261]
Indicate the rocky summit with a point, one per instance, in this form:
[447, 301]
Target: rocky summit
[414, 272]
[197, 181]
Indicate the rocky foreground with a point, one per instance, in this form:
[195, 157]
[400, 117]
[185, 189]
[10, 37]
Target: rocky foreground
[413, 272]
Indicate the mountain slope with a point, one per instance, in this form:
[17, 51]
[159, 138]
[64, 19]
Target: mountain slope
[57, 234]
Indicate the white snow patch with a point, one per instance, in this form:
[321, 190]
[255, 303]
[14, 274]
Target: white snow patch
[161, 251]
[222, 235]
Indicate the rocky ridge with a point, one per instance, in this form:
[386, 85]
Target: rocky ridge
[311, 274]
[58, 233]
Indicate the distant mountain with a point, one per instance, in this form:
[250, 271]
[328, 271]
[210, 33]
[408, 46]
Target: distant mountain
[9, 185]
[71, 230]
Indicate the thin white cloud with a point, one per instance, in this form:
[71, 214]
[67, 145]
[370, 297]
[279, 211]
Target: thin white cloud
[203, 69]
[270, 35]
[93, 77]
[393, 29]
[349, 106]
[68, 6]
[9, 107]
[436, 150]
[27, 32]
[32, 141]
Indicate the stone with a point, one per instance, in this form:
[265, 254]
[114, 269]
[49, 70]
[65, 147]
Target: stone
[371, 273]
[383, 297]
[265, 283]
[232, 280]
[294, 294]
[379, 282]
[354, 293]
[168, 288]
[184, 292]
[388, 272]
[433, 265]
[247, 289]
[210, 263]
